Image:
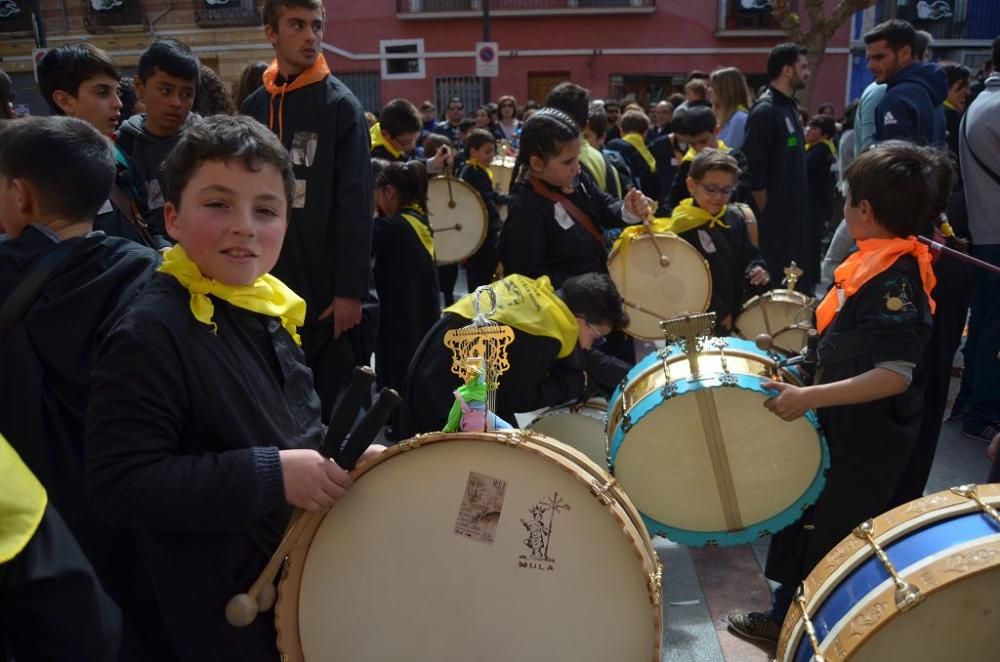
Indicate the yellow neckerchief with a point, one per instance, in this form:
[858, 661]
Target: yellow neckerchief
[949, 105]
[743, 108]
[266, 295]
[687, 216]
[479, 166]
[378, 140]
[639, 143]
[529, 305]
[317, 72]
[417, 220]
[719, 145]
[872, 258]
[22, 502]
[827, 142]
[593, 161]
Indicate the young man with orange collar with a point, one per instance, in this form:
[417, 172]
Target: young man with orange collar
[875, 324]
[325, 258]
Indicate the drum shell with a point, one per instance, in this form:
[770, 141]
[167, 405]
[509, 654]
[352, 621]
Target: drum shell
[454, 245]
[736, 502]
[785, 315]
[942, 544]
[583, 426]
[583, 480]
[683, 287]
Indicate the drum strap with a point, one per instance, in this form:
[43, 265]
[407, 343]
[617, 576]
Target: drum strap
[575, 212]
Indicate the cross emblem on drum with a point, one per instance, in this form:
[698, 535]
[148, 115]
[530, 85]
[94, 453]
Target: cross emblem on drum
[688, 331]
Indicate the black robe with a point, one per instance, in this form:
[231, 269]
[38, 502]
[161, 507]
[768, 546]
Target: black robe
[679, 190]
[409, 299]
[731, 255]
[870, 443]
[775, 151]
[183, 437]
[644, 177]
[48, 360]
[481, 266]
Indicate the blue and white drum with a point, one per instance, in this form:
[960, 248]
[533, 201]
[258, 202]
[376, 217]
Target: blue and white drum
[944, 549]
[700, 456]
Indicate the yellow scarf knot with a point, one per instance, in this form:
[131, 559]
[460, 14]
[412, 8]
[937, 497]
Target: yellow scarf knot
[267, 295]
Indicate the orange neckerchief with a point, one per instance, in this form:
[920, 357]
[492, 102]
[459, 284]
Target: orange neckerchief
[872, 258]
[313, 74]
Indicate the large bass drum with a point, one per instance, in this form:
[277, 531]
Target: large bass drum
[785, 315]
[654, 290]
[580, 425]
[945, 547]
[700, 456]
[457, 218]
[474, 546]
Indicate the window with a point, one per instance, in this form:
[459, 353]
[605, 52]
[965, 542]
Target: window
[15, 16]
[222, 13]
[467, 88]
[402, 67]
[747, 15]
[365, 85]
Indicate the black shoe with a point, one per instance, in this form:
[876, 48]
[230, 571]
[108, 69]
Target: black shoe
[984, 434]
[754, 625]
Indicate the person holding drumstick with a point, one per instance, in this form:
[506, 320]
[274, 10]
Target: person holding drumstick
[394, 137]
[482, 147]
[874, 325]
[203, 424]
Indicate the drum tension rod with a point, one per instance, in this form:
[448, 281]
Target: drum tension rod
[908, 596]
[970, 492]
[800, 598]
[656, 585]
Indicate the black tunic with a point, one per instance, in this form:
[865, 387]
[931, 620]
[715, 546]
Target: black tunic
[183, 433]
[679, 190]
[870, 443]
[409, 299]
[775, 151]
[643, 176]
[481, 266]
[731, 255]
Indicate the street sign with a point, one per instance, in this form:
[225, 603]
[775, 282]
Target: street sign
[487, 59]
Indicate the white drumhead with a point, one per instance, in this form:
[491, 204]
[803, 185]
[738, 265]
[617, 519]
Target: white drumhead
[440, 553]
[457, 217]
[583, 429]
[785, 316]
[653, 293]
[665, 467]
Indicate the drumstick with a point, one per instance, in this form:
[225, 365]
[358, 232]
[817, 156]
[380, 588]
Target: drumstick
[644, 310]
[451, 198]
[457, 226]
[941, 249]
[647, 223]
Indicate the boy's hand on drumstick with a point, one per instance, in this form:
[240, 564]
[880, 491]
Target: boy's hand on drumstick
[312, 482]
[441, 160]
[759, 276]
[993, 448]
[791, 401]
[639, 205]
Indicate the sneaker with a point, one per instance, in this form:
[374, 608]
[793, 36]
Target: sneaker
[984, 434]
[754, 625]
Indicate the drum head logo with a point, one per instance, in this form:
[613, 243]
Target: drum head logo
[539, 528]
[479, 513]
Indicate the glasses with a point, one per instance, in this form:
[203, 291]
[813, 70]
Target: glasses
[712, 189]
[599, 338]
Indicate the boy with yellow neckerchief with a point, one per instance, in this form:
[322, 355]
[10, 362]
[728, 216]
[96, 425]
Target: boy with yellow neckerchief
[719, 232]
[482, 147]
[203, 422]
[869, 388]
[632, 147]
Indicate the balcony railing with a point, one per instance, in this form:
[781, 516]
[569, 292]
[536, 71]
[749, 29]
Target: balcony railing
[501, 7]
[104, 14]
[226, 13]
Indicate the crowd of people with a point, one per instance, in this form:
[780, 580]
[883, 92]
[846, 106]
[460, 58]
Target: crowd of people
[189, 275]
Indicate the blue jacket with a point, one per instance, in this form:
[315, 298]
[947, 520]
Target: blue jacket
[911, 109]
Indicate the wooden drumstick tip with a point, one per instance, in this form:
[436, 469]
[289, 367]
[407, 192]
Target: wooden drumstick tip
[764, 342]
[241, 610]
[664, 261]
[452, 204]
[266, 598]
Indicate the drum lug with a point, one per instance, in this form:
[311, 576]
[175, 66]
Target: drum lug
[970, 492]
[728, 379]
[626, 423]
[603, 491]
[286, 567]
[800, 598]
[412, 443]
[669, 390]
[908, 596]
[655, 581]
[515, 437]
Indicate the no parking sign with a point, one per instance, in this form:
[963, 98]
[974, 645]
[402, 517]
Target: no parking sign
[487, 59]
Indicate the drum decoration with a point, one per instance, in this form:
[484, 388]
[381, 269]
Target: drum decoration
[514, 559]
[659, 276]
[786, 315]
[457, 218]
[698, 454]
[919, 582]
[581, 425]
[479, 358]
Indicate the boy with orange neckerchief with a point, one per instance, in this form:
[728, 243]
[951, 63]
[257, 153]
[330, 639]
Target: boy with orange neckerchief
[869, 388]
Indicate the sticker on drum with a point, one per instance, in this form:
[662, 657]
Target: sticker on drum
[785, 315]
[457, 218]
[582, 426]
[944, 546]
[700, 456]
[655, 289]
[407, 546]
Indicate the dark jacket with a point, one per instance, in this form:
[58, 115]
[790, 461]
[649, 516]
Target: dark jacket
[118, 222]
[328, 244]
[642, 175]
[183, 434]
[911, 108]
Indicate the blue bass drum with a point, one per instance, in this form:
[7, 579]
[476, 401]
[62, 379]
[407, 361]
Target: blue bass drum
[699, 455]
[940, 601]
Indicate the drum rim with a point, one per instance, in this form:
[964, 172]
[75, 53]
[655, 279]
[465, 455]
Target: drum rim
[668, 235]
[851, 553]
[482, 207]
[784, 296]
[565, 457]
